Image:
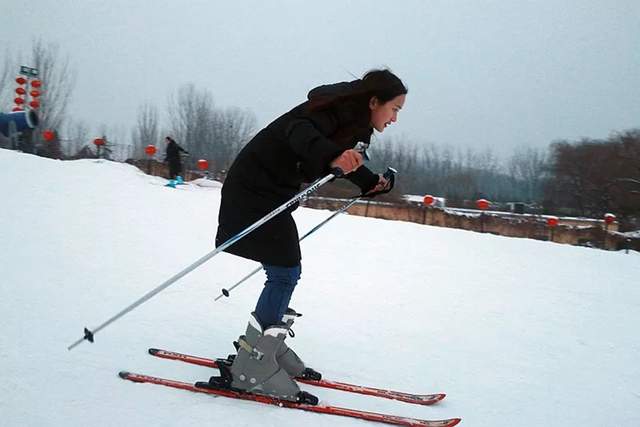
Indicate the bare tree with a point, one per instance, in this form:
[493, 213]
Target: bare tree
[629, 153]
[146, 131]
[190, 112]
[77, 136]
[529, 165]
[400, 154]
[6, 82]
[205, 131]
[596, 176]
[57, 79]
[231, 129]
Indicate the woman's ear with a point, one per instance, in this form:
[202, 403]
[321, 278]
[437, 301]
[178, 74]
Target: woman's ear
[373, 103]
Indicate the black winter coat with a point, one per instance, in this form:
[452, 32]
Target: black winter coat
[172, 153]
[295, 148]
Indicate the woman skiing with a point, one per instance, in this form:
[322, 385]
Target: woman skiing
[300, 146]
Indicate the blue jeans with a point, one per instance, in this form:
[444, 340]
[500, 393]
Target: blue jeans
[275, 296]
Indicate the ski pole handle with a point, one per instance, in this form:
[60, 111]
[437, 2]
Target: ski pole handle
[389, 173]
[337, 173]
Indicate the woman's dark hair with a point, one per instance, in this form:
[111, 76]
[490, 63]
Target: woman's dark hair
[170, 139]
[349, 101]
[382, 84]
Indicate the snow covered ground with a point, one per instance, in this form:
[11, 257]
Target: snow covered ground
[517, 332]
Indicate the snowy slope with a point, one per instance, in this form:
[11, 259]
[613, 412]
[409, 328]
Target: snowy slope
[517, 332]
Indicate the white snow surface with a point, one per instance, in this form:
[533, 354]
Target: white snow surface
[517, 332]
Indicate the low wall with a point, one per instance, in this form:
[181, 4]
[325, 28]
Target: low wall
[573, 231]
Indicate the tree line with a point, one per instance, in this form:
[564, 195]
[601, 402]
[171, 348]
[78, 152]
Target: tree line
[587, 177]
[592, 177]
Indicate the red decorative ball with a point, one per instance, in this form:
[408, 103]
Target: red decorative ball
[98, 141]
[203, 164]
[428, 200]
[552, 221]
[150, 149]
[483, 204]
[48, 135]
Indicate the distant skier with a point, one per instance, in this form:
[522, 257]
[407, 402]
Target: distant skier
[172, 156]
[300, 146]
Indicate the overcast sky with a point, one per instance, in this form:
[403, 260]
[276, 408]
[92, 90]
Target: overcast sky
[480, 73]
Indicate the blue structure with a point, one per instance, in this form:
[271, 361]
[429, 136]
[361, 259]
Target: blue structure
[21, 119]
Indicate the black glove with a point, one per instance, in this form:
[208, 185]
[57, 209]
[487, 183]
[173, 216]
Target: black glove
[390, 177]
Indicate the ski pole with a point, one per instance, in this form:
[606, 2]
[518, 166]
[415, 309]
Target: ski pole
[226, 292]
[89, 335]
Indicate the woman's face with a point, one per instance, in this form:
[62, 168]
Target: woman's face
[382, 115]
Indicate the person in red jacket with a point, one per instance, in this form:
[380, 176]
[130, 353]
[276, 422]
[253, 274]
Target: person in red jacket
[300, 146]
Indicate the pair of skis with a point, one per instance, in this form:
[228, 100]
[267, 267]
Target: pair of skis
[418, 399]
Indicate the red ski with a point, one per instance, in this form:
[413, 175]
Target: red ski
[323, 409]
[417, 399]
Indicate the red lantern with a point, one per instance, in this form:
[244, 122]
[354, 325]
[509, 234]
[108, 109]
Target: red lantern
[428, 200]
[552, 221]
[19, 101]
[21, 91]
[203, 164]
[36, 83]
[35, 93]
[48, 135]
[150, 149]
[34, 104]
[483, 204]
[609, 218]
[21, 80]
[98, 142]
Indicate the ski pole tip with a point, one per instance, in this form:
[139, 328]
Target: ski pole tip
[88, 335]
[224, 293]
